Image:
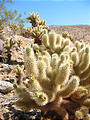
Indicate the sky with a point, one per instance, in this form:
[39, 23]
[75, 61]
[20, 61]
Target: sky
[56, 12]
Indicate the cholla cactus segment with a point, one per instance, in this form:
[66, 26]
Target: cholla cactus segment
[30, 62]
[63, 74]
[22, 93]
[84, 63]
[32, 84]
[70, 88]
[8, 44]
[80, 92]
[41, 98]
[75, 58]
[85, 74]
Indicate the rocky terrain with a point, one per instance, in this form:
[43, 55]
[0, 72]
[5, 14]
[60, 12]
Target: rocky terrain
[8, 77]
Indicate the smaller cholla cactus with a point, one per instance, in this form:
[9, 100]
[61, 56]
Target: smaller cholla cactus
[35, 20]
[8, 44]
[19, 73]
[38, 29]
[83, 113]
[19, 42]
[13, 26]
[67, 35]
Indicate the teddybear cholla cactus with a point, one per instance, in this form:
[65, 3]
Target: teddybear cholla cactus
[38, 29]
[35, 20]
[8, 44]
[55, 73]
[49, 81]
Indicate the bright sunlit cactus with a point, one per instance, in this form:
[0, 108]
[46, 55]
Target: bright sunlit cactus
[49, 77]
[38, 28]
[8, 44]
[57, 69]
[35, 20]
[56, 43]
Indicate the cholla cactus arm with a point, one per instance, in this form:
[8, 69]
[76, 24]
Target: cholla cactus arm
[41, 98]
[32, 84]
[78, 45]
[85, 61]
[63, 74]
[22, 93]
[70, 88]
[75, 58]
[85, 74]
[42, 69]
[52, 40]
[30, 62]
[80, 92]
[46, 40]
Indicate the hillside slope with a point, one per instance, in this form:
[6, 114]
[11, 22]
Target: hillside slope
[77, 31]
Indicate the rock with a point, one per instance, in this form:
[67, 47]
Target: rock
[1, 46]
[9, 101]
[5, 87]
[24, 40]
